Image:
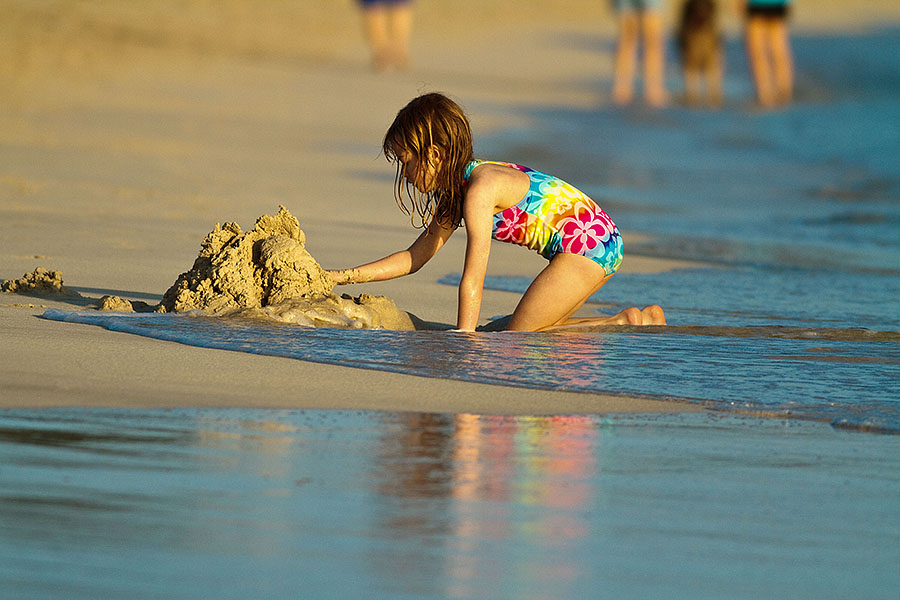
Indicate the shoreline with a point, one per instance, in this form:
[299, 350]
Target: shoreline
[207, 377]
[120, 151]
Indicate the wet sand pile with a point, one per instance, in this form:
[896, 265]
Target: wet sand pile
[40, 282]
[264, 273]
[267, 272]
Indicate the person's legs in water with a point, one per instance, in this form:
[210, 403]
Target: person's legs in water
[758, 57]
[769, 54]
[626, 57]
[654, 58]
[782, 60]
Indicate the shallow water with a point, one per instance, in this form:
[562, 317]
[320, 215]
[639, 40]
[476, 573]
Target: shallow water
[231, 503]
[850, 381]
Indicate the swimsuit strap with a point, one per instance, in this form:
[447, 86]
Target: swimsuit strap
[471, 167]
[475, 162]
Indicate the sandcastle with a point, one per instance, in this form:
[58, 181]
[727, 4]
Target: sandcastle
[262, 273]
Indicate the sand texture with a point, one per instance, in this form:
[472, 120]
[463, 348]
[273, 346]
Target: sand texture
[128, 128]
[40, 282]
[266, 265]
[262, 273]
[267, 271]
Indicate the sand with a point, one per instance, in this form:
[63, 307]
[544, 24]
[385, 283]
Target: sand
[268, 273]
[127, 129]
[264, 273]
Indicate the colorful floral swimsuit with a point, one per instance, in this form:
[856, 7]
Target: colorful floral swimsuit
[555, 217]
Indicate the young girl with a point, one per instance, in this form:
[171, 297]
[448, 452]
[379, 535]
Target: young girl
[431, 143]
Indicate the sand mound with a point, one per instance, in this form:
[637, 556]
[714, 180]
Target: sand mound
[263, 266]
[268, 273]
[265, 273]
[40, 282]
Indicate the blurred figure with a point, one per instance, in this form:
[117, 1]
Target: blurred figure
[700, 45]
[388, 25]
[769, 51]
[640, 20]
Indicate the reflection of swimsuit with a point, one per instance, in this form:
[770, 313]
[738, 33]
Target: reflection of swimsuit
[554, 217]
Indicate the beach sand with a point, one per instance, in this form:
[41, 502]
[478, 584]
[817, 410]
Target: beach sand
[128, 130]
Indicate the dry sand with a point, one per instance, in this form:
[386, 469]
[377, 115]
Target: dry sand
[127, 129]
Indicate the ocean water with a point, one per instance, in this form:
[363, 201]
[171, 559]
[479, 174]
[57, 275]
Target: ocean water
[233, 503]
[796, 213]
[845, 379]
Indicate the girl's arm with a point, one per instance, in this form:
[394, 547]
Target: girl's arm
[400, 263]
[477, 211]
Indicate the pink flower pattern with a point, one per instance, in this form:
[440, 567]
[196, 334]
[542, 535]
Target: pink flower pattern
[585, 230]
[510, 227]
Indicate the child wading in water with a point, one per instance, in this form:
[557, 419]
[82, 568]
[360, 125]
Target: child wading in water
[431, 143]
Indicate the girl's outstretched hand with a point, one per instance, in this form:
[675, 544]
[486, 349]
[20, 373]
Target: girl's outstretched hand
[341, 277]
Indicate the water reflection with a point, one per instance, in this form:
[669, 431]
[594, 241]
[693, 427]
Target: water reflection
[491, 482]
[263, 503]
[413, 502]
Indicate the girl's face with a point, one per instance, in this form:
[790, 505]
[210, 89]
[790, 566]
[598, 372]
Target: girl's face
[421, 173]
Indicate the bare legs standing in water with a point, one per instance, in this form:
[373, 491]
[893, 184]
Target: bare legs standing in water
[769, 53]
[640, 21]
[387, 25]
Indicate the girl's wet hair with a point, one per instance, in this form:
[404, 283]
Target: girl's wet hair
[431, 120]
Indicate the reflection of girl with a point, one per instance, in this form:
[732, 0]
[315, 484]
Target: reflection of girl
[431, 143]
[769, 51]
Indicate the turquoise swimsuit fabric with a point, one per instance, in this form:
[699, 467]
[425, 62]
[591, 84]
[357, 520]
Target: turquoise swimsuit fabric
[555, 217]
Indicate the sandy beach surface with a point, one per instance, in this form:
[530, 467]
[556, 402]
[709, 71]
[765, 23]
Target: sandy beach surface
[127, 131]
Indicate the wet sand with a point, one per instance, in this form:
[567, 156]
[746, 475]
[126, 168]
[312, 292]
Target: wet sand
[128, 132]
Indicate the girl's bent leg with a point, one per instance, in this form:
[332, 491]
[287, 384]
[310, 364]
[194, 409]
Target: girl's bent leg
[557, 292]
[649, 315]
[562, 288]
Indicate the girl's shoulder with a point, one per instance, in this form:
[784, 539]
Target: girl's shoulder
[496, 166]
[497, 183]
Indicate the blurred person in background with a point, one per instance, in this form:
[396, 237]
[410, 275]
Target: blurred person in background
[640, 21]
[387, 25]
[700, 48]
[769, 51]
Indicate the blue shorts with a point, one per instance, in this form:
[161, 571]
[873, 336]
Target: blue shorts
[370, 3]
[636, 5]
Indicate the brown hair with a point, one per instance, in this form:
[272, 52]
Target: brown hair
[431, 120]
